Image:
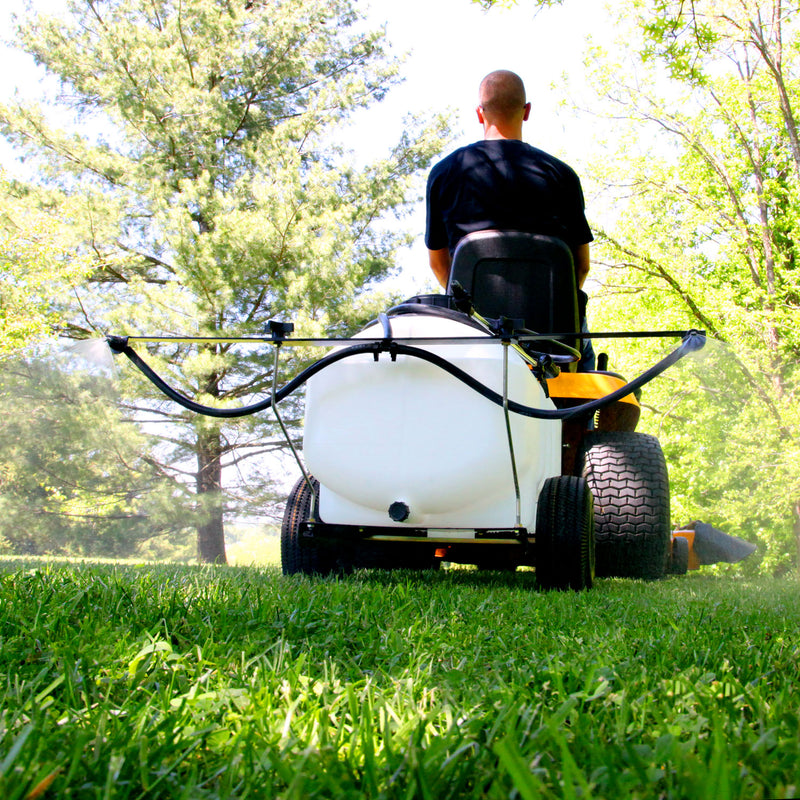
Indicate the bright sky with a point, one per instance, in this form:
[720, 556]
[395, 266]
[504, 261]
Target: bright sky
[451, 44]
[449, 55]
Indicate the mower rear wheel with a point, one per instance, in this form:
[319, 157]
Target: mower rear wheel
[564, 546]
[308, 558]
[627, 475]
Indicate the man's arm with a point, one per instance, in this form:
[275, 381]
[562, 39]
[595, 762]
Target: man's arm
[581, 257]
[440, 264]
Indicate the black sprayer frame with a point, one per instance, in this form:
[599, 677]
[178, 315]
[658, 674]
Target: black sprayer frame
[692, 340]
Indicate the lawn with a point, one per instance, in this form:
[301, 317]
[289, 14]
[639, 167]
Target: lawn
[176, 681]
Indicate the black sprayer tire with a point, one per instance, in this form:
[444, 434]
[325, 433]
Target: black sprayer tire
[307, 558]
[565, 535]
[627, 475]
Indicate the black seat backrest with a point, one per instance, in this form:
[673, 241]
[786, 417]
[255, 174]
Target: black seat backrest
[519, 275]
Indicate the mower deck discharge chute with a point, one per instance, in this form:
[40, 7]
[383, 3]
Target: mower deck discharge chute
[447, 430]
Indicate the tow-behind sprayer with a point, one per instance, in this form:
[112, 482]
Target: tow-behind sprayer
[454, 428]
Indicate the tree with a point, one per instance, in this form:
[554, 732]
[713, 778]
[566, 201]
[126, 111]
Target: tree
[34, 268]
[705, 233]
[214, 197]
[75, 479]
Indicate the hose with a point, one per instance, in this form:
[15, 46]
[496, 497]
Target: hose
[120, 345]
[692, 341]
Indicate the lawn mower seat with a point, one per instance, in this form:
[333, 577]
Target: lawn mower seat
[521, 276]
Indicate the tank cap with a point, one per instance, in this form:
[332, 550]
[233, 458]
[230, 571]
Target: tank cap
[399, 511]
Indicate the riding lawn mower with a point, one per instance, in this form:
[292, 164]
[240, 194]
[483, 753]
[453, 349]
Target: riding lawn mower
[456, 428]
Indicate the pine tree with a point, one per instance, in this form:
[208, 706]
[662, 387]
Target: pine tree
[209, 196]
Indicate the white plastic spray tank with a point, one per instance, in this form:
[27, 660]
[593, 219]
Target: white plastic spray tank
[408, 434]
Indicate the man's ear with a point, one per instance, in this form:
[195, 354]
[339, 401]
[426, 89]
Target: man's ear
[481, 118]
[527, 112]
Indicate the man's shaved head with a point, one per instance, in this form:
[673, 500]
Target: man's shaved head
[502, 95]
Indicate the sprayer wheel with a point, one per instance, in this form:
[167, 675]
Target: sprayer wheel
[565, 534]
[627, 475]
[307, 558]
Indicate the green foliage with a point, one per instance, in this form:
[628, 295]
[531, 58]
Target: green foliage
[136, 681]
[35, 270]
[680, 36]
[76, 479]
[213, 197]
[537, 4]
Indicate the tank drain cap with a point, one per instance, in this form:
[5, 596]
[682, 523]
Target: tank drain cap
[399, 511]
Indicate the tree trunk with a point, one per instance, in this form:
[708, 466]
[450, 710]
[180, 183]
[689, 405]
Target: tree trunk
[774, 62]
[211, 530]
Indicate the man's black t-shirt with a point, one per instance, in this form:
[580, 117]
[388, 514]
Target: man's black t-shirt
[503, 184]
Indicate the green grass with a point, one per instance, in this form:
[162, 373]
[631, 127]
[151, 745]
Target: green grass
[210, 682]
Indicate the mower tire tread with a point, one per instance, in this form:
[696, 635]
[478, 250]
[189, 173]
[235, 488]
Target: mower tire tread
[628, 477]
